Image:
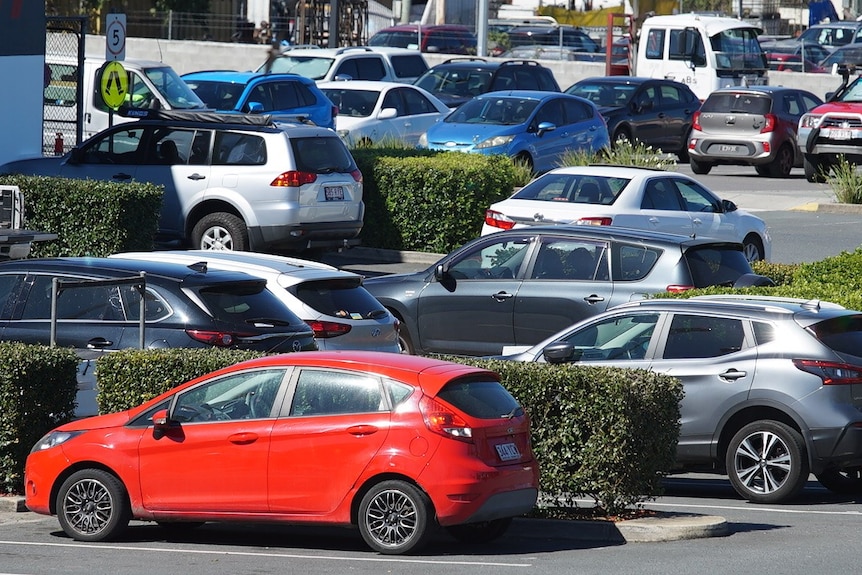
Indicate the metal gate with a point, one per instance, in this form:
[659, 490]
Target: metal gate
[63, 107]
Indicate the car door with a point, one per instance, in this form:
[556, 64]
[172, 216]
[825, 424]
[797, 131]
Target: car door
[661, 209]
[584, 128]
[113, 156]
[420, 114]
[675, 109]
[549, 145]
[646, 114]
[216, 458]
[470, 309]
[393, 126]
[708, 217]
[177, 159]
[715, 358]
[566, 280]
[330, 430]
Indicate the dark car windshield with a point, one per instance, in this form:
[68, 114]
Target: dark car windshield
[500, 111]
[247, 302]
[842, 334]
[456, 81]
[604, 94]
[716, 265]
[577, 188]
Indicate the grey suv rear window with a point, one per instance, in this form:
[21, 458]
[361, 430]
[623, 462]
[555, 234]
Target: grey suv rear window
[248, 302]
[482, 399]
[713, 266]
[842, 334]
[340, 298]
[321, 155]
[740, 103]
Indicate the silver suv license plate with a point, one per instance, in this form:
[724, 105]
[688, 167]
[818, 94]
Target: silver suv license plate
[333, 193]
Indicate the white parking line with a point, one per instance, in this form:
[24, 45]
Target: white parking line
[379, 559]
[758, 508]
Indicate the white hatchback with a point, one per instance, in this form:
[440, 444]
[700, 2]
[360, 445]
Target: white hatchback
[641, 198]
[342, 313]
[372, 112]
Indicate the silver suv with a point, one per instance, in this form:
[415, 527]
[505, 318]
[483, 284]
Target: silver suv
[378, 63]
[771, 384]
[240, 182]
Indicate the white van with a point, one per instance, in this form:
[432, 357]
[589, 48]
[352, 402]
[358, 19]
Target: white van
[152, 85]
[705, 52]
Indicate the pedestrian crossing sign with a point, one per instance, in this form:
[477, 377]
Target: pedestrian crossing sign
[114, 84]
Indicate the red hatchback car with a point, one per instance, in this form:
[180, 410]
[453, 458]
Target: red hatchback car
[393, 444]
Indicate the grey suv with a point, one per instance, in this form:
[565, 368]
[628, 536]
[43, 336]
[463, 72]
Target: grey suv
[238, 181]
[519, 286]
[770, 383]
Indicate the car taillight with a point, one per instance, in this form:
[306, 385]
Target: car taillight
[769, 125]
[357, 176]
[216, 338]
[678, 288]
[441, 419]
[695, 122]
[831, 372]
[327, 329]
[334, 111]
[498, 220]
[595, 221]
[293, 179]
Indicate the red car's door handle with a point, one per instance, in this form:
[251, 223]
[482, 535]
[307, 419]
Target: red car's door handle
[243, 438]
[362, 430]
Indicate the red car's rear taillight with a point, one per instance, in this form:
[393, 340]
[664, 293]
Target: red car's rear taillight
[498, 220]
[769, 125]
[831, 372]
[695, 121]
[293, 179]
[678, 288]
[443, 420]
[327, 329]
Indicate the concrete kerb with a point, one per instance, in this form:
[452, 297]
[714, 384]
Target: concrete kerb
[830, 208]
[661, 527]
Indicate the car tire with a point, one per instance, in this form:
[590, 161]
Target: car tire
[782, 164]
[483, 532]
[767, 462]
[395, 517]
[843, 481]
[762, 169]
[699, 167]
[526, 160]
[404, 341]
[752, 247]
[621, 135]
[93, 505]
[814, 170]
[220, 231]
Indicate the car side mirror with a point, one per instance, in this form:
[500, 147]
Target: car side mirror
[442, 275]
[559, 352]
[387, 113]
[76, 156]
[161, 423]
[545, 127]
[727, 206]
[255, 108]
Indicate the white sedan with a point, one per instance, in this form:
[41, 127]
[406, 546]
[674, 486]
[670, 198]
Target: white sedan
[372, 112]
[629, 197]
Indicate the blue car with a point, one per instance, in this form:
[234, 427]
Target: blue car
[533, 127]
[291, 97]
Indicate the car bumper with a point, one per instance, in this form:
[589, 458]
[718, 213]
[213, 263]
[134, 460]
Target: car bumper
[718, 150]
[819, 142]
[40, 474]
[836, 447]
[327, 234]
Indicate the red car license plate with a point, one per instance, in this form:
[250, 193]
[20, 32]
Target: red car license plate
[508, 451]
[333, 193]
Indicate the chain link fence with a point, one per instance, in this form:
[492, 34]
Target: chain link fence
[63, 97]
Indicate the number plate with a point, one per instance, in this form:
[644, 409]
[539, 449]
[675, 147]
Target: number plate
[333, 193]
[840, 134]
[729, 149]
[508, 451]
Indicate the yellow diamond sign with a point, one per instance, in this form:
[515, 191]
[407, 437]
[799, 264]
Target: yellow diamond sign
[114, 84]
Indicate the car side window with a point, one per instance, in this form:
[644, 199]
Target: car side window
[577, 111]
[633, 262]
[74, 303]
[694, 337]
[365, 68]
[247, 395]
[260, 94]
[169, 147]
[670, 95]
[290, 95]
[567, 259]
[123, 146]
[615, 338]
[661, 194]
[546, 81]
[791, 105]
[683, 46]
[695, 198]
[239, 149]
[393, 100]
[655, 44]
[416, 103]
[808, 102]
[129, 301]
[551, 111]
[327, 392]
[9, 286]
[491, 261]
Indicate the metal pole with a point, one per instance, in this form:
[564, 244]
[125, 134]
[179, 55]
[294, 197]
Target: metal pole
[142, 310]
[482, 28]
[333, 24]
[55, 288]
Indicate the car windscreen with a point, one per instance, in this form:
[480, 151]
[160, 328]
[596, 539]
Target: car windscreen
[716, 265]
[353, 103]
[499, 111]
[322, 155]
[842, 334]
[248, 303]
[456, 81]
[314, 67]
[737, 102]
[217, 95]
[397, 39]
[575, 188]
[604, 94]
[345, 298]
[483, 399]
[178, 94]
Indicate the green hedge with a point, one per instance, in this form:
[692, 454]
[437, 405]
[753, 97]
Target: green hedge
[37, 392]
[429, 201]
[90, 217]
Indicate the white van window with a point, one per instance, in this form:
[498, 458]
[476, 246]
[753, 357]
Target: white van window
[683, 46]
[655, 44]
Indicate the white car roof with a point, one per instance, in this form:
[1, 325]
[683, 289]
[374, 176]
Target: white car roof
[285, 271]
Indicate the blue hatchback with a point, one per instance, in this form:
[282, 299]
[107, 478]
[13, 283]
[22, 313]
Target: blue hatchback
[533, 127]
[278, 94]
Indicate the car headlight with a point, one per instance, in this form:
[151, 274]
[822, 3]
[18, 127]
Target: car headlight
[423, 141]
[53, 439]
[343, 134]
[809, 121]
[494, 142]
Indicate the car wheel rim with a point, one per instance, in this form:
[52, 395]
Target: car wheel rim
[217, 238]
[762, 462]
[392, 518]
[88, 506]
[752, 253]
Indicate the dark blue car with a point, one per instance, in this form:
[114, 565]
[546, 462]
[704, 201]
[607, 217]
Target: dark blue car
[290, 97]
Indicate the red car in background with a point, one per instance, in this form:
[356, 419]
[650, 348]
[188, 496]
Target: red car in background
[793, 63]
[392, 444]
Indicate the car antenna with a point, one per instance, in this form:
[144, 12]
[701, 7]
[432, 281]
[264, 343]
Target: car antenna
[200, 267]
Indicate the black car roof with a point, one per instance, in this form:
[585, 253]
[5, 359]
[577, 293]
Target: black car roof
[114, 268]
[482, 64]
